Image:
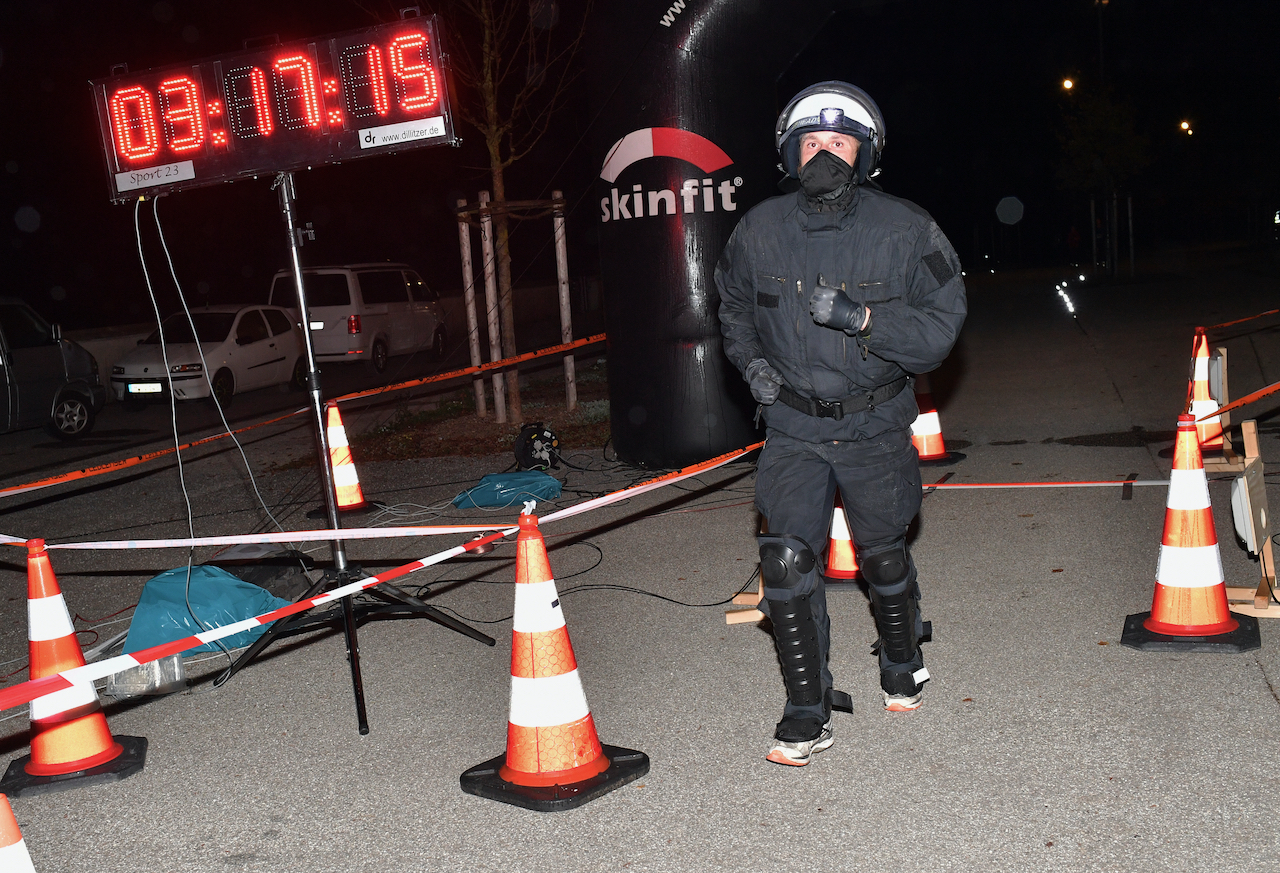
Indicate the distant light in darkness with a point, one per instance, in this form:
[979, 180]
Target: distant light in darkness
[1067, 84]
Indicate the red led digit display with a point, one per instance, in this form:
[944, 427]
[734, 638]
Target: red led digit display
[184, 123]
[408, 65]
[133, 119]
[300, 104]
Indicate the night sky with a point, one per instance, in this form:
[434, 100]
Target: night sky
[971, 93]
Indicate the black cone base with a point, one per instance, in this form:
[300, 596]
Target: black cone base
[835, 581]
[945, 461]
[1242, 639]
[18, 782]
[363, 509]
[625, 765]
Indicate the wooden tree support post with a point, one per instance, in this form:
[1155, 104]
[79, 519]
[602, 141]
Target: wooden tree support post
[1249, 601]
[1229, 461]
[491, 307]
[469, 300]
[566, 312]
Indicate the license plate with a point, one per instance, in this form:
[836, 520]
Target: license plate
[146, 388]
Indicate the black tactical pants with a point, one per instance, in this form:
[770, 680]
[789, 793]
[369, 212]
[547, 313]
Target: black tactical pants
[879, 482]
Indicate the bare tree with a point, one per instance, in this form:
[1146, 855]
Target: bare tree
[1101, 148]
[516, 78]
[515, 66]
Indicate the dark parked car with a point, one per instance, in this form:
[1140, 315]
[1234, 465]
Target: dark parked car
[47, 380]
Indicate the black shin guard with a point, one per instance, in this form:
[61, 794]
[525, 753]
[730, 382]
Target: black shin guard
[895, 602]
[789, 570]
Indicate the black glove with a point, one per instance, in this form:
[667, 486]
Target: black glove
[832, 308]
[764, 380]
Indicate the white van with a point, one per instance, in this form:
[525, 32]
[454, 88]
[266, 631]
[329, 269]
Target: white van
[366, 312]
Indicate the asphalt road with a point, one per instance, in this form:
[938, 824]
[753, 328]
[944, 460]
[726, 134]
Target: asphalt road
[1043, 743]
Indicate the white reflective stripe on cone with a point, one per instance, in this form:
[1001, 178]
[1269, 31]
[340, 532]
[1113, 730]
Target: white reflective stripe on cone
[548, 702]
[1201, 408]
[47, 619]
[1202, 368]
[1195, 567]
[840, 526]
[80, 694]
[338, 437]
[1188, 489]
[926, 424]
[537, 608]
[15, 858]
[345, 475]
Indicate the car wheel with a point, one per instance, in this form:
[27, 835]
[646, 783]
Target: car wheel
[378, 357]
[298, 381]
[223, 386]
[72, 417]
[438, 343]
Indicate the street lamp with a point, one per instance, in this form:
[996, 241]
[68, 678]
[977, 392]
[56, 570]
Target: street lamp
[1186, 125]
[1067, 84]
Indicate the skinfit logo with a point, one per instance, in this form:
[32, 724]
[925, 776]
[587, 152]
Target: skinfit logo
[700, 194]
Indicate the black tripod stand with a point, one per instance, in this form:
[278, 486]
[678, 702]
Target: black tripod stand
[396, 601]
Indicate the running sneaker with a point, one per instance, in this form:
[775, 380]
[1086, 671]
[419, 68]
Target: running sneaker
[797, 753]
[902, 702]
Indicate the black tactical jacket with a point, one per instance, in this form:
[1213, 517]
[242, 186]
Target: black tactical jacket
[888, 254]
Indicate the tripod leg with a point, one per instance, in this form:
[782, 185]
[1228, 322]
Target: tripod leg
[272, 631]
[353, 656]
[434, 614]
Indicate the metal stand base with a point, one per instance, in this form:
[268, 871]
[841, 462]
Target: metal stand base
[1242, 639]
[625, 765]
[18, 782]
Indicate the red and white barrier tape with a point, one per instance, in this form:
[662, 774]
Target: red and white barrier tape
[1100, 484]
[27, 691]
[288, 536]
[110, 466]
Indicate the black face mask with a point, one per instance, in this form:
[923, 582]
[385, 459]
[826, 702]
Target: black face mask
[824, 173]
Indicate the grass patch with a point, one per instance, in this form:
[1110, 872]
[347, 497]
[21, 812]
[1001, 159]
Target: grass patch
[453, 429]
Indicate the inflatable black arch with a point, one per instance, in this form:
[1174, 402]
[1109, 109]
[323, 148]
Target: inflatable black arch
[685, 92]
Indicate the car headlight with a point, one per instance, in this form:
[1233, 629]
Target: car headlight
[185, 368]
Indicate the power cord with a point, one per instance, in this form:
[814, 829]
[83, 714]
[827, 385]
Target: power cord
[173, 417]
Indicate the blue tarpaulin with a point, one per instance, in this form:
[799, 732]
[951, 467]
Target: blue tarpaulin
[216, 596]
[509, 489]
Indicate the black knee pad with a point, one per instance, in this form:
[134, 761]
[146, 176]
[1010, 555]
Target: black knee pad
[887, 568]
[894, 600]
[785, 560]
[789, 570]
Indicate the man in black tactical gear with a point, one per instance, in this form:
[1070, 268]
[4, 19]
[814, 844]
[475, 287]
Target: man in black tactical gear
[832, 297]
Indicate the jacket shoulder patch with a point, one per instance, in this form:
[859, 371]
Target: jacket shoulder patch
[938, 266]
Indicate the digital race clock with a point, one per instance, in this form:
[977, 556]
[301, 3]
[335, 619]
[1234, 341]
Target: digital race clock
[300, 104]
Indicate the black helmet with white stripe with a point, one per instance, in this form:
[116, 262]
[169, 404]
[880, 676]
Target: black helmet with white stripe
[836, 106]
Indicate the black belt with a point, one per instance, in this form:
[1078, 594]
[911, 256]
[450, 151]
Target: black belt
[838, 409]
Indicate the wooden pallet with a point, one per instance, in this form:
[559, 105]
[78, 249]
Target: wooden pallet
[1256, 601]
[1228, 461]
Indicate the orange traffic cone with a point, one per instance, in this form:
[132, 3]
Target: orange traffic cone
[554, 760]
[1189, 611]
[1200, 400]
[926, 430]
[14, 857]
[842, 562]
[346, 482]
[70, 742]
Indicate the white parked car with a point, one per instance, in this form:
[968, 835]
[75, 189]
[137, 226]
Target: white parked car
[245, 347]
[367, 312]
